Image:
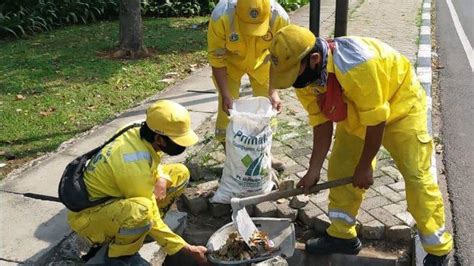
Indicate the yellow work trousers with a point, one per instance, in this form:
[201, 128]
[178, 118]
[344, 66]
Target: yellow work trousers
[124, 224]
[222, 121]
[410, 145]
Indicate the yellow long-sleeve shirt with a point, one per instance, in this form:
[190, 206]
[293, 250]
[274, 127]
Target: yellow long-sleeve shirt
[378, 83]
[129, 167]
[239, 53]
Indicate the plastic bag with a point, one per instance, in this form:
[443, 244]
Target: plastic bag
[247, 169]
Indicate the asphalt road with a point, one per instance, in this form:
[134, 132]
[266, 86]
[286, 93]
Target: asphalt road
[457, 107]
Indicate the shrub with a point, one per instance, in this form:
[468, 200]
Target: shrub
[292, 4]
[183, 8]
[24, 17]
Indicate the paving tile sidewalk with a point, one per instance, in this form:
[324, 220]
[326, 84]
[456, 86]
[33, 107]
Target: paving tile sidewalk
[383, 213]
[40, 226]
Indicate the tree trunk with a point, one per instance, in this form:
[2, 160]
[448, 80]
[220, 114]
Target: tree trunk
[131, 30]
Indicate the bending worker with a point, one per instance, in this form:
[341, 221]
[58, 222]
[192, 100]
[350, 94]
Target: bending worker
[372, 91]
[239, 35]
[129, 169]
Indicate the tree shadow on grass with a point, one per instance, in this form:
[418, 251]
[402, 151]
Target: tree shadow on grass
[46, 146]
[69, 56]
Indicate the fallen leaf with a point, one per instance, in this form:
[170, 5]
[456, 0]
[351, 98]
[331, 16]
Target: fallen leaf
[48, 112]
[20, 97]
[91, 107]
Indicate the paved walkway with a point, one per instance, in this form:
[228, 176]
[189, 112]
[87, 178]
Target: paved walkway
[32, 230]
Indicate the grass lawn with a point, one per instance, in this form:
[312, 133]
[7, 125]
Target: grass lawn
[56, 84]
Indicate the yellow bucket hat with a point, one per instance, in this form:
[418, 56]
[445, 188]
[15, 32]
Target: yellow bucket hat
[169, 118]
[289, 46]
[254, 16]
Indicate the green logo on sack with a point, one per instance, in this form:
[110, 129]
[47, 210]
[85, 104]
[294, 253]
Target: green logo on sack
[254, 167]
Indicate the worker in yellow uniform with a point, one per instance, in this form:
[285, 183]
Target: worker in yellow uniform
[239, 35]
[373, 93]
[129, 170]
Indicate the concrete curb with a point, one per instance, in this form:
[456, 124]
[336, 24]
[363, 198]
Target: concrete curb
[425, 75]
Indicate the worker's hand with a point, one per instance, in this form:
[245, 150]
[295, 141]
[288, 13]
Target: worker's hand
[308, 181]
[198, 253]
[227, 104]
[160, 188]
[275, 100]
[363, 176]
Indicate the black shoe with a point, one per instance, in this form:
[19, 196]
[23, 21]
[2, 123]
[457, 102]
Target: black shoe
[131, 260]
[92, 252]
[328, 245]
[433, 260]
[148, 239]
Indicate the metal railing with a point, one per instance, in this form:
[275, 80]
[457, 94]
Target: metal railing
[340, 28]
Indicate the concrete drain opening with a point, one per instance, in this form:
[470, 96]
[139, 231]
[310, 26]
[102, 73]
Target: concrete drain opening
[199, 228]
[374, 252]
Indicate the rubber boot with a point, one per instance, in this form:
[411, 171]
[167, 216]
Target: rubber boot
[327, 245]
[433, 260]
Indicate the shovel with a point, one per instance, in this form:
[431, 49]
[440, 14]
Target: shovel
[244, 223]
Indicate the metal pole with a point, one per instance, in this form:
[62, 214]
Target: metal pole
[314, 16]
[342, 7]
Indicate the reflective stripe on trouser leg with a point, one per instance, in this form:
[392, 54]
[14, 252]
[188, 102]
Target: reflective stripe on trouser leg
[222, 120]
[135, 221]
[344, 201]
[411, 147]
[123, 223]
[179, 175]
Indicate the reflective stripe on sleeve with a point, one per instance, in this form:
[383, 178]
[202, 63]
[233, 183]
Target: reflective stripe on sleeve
[340, 215]
[136, 156]
[134, 231]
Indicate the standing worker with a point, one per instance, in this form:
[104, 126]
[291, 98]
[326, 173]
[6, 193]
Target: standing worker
[128, 169]
[239, 35]
[372, 91]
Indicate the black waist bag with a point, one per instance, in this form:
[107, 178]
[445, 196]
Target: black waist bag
[72, 188]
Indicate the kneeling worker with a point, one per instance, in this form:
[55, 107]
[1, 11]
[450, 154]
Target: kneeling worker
[129, 170]
[373, 93]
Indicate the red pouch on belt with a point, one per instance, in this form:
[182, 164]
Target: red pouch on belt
[331, 103]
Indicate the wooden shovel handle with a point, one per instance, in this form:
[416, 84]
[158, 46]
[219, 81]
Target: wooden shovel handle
[272, 196]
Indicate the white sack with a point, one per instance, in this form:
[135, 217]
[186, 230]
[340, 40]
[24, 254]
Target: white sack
[247, 169]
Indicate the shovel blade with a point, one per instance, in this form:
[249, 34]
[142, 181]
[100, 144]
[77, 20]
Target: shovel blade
[244, 224]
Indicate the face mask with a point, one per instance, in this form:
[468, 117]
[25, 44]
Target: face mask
[171, 148]
[308, 76]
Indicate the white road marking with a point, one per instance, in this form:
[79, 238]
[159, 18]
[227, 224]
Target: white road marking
[462, 35]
